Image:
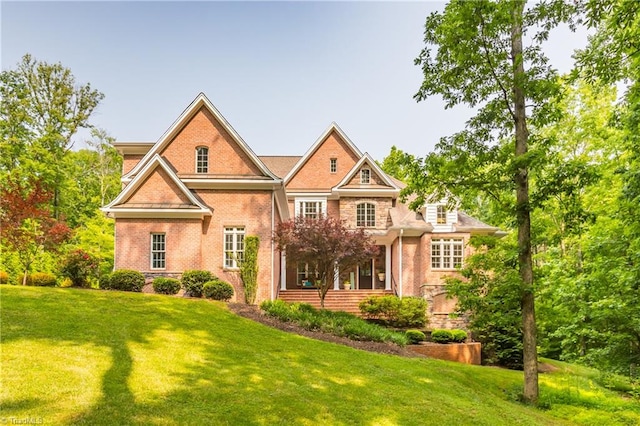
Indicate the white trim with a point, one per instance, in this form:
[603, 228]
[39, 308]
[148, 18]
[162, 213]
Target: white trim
[119, 213]
[283, 271]
[333, 126]
[400, 269]
[366, 158]
[387, 266]
[273, 227]
[212, 183]
[200, 101]
[365, 192]
[235, 231]
[132, 148]
[368, 170]
[128, 191]
[199, 147]
[297, 201]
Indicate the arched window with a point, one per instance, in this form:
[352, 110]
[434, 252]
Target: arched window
[202, 159]
[366, 215]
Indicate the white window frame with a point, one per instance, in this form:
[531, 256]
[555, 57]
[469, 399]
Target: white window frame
[333, 165]
[441, 215]
[366, 218]
[233, 247]
[365, 178]
[447, 253]
[301, 206]
[202, 161]
[158, 251]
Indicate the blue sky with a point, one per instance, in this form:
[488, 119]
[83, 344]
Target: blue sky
[280, 72]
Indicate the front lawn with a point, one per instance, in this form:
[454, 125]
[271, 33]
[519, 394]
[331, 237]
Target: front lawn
[98, 357]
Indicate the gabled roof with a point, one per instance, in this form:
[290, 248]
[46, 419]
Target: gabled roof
[366, 158]
[200, 101]
[332, 127]
[280, 165]
[117, 206]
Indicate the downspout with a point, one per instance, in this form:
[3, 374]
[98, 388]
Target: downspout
[400, 262]
[273, 224]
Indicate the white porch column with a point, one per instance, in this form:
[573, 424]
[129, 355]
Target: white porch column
[336, 278]
[283, 271]
[387, 266]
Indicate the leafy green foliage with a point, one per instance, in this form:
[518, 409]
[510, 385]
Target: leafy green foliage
[80, 267]
[337, 323]
[249, 268]
[4, 277]
[441, 336]
[124, 280]
[394, 311]
[193, 280]
[41, 279]
[217, 290]
[415, 336]
[164, 285]
[459, 336]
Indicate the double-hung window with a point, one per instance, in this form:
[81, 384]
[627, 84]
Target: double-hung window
[310, 208]
[158, 251]
[202, 159]
[366, 215]
[441, 215]
[233, 247]
[446, 253]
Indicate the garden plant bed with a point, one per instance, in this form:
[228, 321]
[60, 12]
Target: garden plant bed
[254, 313]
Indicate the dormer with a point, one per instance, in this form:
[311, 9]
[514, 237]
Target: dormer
[440, 217]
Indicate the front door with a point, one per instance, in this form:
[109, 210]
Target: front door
[365, 277]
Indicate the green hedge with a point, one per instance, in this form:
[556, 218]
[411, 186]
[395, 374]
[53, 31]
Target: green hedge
[217, 290]
[41, 279]
[448, 336]
[124, 280]
[395, 312]
[415, 336]
[193, 280]
[164, 285]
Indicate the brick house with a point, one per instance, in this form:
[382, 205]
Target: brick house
[189, 199]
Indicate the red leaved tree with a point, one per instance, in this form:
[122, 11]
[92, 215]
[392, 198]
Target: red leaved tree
[26, 225]
[326, 245]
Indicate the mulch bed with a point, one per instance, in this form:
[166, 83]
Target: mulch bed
[254, 313]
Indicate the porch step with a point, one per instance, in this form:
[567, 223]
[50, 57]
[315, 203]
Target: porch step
[335, 300]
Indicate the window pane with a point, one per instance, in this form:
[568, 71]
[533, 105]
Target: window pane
[202, 159]
[158, 254]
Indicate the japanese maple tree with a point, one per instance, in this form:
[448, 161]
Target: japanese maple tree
[26, 224]
[326, 245]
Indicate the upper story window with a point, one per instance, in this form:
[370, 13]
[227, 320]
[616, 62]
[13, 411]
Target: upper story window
[233, 247]
[366, 215]
[311, 209]
[365, 176]
[333, 165]
[202, 159]
[441, 215]
[158, 251]
[446, 253]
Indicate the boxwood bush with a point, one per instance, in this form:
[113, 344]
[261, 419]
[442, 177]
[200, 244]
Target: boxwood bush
[217, 290]
[193, 280]
[448, 336]
[395, 312]
[123, 279]
[41, 279]
[415, 336]
[164, 285]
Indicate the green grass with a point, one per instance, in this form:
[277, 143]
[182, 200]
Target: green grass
[96, 357]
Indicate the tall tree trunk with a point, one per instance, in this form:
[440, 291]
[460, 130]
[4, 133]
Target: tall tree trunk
[527, 300]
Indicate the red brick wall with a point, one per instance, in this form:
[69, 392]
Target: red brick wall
[315, 173]
[158, 188]
[129, 162]
[225, 156]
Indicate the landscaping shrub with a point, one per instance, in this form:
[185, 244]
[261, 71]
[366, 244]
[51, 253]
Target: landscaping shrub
[125, 280]
[448, 336]
[104, 281]
[4, 277]
[193, 280]
[249, 268]
[415, 336]
[164, 285]
[41, 279]
[459, 336]
[395, 312]
[79, 266]
[337, 323]
[217, 290]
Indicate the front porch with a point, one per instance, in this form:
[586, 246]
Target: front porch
[335, 300]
